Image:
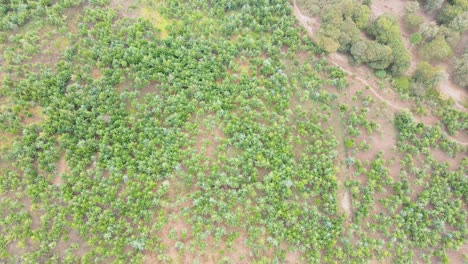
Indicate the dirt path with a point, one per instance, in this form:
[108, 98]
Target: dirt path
[309, 23]
[355, 71]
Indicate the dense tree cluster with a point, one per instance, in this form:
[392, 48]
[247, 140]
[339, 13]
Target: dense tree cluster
[341, 27]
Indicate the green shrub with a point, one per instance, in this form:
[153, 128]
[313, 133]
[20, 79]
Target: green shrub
[381, 74]
[428, 75]
[415, 38]
[412, 21]
[402, 84]
[436, 50]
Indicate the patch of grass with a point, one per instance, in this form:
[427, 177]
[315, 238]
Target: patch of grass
[61, 43]
[156, 19]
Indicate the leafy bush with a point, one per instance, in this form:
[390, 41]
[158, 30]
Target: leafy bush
[376, 55]
[386, 31]
[454, 120]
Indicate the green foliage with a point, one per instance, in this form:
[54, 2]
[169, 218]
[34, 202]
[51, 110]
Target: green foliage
[429, 30]
[454, 120]
[436, 50]
[341, 24]
[340, 30]
[460, 73]
[449, 13]
[386, 31]
[420, 136]
[380, 74]
[432, 5]
[451, 36]
[427, 75]
[376, 55]
[402, 84]
[415, 38]
[17, 13]
[361, 16]
[460, 22]
[401, 59]
[327, 43]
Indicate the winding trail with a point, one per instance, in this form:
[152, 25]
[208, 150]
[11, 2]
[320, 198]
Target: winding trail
[345, 67]
[341, 61]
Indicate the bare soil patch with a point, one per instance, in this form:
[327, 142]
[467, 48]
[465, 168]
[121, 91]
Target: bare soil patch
[380, 7]
[448, 88]
[36, 116]
[73, 238]
[208, 138]
[96, 73]
[62, 167]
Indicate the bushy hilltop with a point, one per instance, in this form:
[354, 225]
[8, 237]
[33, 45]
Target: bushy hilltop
[210, 132]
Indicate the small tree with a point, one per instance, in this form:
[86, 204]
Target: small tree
[376, 55]
[361, 16]
[432, 5]
[436, 50]
[428, 75]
